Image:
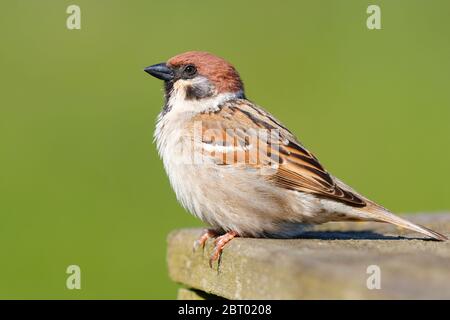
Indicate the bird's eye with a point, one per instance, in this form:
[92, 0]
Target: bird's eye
[190, 70]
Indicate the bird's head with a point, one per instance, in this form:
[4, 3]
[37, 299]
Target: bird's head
[197, 75]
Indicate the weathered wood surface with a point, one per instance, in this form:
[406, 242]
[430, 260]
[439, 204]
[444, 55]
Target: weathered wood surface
[329, 262]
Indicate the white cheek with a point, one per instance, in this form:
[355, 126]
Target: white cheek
[179, 88]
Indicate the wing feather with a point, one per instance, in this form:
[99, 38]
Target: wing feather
[237, 136]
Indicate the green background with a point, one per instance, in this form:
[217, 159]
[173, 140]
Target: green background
[80, 180]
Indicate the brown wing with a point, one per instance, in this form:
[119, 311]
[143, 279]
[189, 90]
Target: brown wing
[234, 135]
[301, 171]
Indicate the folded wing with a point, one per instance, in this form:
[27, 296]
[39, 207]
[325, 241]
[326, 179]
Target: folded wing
[242, 135]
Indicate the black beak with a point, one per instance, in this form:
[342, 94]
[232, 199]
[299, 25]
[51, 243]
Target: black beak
[160, 71]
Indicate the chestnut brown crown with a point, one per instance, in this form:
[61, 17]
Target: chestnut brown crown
[219, 71]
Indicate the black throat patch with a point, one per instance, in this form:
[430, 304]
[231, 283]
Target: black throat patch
[168, 87]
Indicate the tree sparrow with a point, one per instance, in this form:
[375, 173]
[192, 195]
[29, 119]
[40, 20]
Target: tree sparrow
[237, 168]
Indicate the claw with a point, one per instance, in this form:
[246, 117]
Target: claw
[220, 243]
[200, 242]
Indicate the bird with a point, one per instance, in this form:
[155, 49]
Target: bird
[236, 167]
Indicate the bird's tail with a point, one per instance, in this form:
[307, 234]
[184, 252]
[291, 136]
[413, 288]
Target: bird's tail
[383, 215]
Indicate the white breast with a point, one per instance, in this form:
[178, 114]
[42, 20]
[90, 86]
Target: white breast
[175, 146]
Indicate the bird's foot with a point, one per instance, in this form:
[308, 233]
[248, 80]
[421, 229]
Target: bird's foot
[200, 242]
[220, 243]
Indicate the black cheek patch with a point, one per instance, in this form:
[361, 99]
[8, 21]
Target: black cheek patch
[197, 92]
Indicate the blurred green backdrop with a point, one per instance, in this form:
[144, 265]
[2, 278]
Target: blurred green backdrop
[80, 180]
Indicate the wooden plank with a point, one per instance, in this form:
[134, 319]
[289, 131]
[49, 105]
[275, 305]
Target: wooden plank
[328, 262]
